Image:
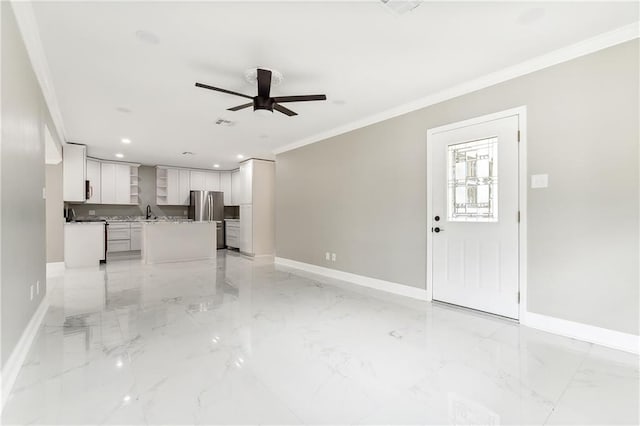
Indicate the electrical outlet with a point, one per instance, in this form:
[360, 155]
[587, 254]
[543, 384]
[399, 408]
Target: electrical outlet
[184, 212]
[327, 256]
[31, 293]
[38, 287]
[92, 212]
[333, 257]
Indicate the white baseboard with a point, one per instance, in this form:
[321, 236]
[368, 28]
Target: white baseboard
[388, 286]
[55, 268]
[16, 359]
[589, 333]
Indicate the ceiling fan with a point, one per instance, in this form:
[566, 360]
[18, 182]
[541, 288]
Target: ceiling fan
[264, 101]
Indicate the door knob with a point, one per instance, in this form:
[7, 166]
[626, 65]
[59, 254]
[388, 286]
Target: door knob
[436, 229]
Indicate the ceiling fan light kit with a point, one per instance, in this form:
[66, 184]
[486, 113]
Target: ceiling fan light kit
[264, 103]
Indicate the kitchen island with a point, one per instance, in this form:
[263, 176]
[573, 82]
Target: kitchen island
[178, 241]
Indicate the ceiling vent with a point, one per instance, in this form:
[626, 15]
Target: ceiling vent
[224, 122]
[400, 7]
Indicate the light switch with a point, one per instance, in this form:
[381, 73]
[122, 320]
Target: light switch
[539, 181]
[92, 212]
[44, 193]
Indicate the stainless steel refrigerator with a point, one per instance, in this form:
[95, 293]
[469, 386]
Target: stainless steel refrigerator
[208, 206]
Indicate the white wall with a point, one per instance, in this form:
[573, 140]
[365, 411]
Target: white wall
[362, 194]
[22, 178]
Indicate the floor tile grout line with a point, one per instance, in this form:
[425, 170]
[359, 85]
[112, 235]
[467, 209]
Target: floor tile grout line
[582, 361]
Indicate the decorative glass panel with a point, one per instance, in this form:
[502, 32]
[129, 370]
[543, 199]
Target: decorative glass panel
[472, 193]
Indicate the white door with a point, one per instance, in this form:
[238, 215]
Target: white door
[184, 187]
[108, 183]
[93, 176]
[225, 187]
[246, 228]
[197, 181]
[235, 188]
[474, 171]
[212, 181]
[123, 184]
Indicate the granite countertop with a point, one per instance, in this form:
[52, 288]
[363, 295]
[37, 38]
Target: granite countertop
[177, 222]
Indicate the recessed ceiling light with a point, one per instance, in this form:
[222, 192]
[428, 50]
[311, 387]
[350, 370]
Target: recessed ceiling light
[119, 155]
[126, 141]
[147, 37]
[216, 165]
[187, 153]
[240, 156]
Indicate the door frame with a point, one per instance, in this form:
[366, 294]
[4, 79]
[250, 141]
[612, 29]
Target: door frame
[521, 113]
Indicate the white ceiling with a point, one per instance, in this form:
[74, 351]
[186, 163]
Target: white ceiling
[364, 58]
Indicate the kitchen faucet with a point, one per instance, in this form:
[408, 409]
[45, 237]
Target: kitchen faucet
[148, 212]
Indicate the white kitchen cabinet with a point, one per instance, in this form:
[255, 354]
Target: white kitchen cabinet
[235, 188]
[232, 233]
[212, 181]
[83, 244]
[74, 172]
[246, 229]
[246, 182]
[136, 236]
[94, 178]
[184, 187]
[108, 183]
[173, 187]
[225, 186]
[123, 184]
[197, 180]
[116, 183]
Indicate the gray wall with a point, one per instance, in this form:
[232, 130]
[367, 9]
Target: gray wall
[22, 177]
[54, 213]
[146, 195]
[362, 194]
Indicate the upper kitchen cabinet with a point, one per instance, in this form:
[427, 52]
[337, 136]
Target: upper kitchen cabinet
[225, 187]
[94, 177]
[204, 181]
[119, 183]
[246, 182]
[197, 180]
[184, 186]
[173, 186]
[74, 172]
[212, 181]
[236, 187]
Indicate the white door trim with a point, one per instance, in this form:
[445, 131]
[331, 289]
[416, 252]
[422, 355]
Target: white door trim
[521, 113]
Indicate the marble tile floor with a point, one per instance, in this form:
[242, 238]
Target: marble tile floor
[239, 341]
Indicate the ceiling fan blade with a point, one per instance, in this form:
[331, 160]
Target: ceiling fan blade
[205, 86]
[284, 110]
[301, 98]
[264, 83]
[239, 107]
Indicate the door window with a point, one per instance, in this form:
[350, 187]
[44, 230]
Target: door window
[472, 193]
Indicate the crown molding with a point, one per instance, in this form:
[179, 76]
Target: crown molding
[582, 48]
[28, 26]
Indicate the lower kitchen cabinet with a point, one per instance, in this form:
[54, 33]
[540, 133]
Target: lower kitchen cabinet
[136, 236]
[232, 233]
[124, 236]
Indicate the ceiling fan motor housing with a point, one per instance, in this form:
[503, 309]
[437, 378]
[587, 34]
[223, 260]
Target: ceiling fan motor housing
[263, 103]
